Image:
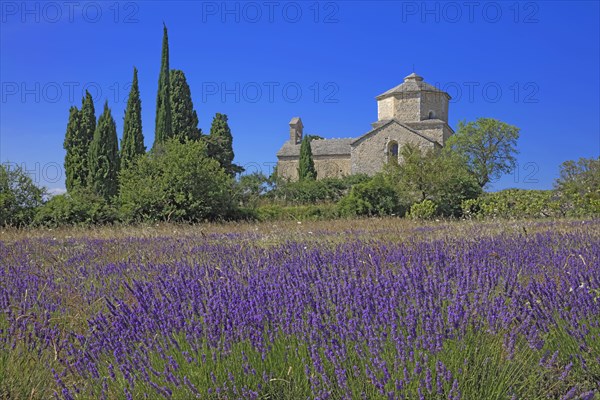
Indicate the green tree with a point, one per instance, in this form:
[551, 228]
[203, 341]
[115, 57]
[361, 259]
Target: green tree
[220, 144]
[433, 175]
[163, 127]
[19, 196]
[132, 142]
[488, 146]
[578, 187]
[104, 156]
[177, 182]
[184, 120]
[77, 152]
[306, 165]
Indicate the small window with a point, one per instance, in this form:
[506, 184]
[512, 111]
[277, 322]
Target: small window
[431, 115]
[392, 151]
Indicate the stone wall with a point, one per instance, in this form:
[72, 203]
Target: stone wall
[436, 102]
[370, 154]
[326, 166]
[385, 109]
[407, 107]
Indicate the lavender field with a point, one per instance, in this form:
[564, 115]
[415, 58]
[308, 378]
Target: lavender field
[378, 309]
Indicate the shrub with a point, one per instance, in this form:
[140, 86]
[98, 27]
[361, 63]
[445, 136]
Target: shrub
[512, 203]
[175, 182]
[375, 197]
[425, 209]
[82, 207]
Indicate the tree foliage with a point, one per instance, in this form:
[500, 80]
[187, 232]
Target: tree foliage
[184, 120]
[104, 156]
[76, 152]
[220, 144]
[175, 182]
[163, 127]
[19, 196]
[578, 187]
[488, 146]
[132, 142]
[79, 207]
[306, 165]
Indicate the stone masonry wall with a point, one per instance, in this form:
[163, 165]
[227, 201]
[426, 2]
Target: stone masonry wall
[370, 155]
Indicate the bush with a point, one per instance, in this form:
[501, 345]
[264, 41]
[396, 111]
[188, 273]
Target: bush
[578, 187]
[82, 207]
[426, 209]
[310, 191]
[372, 198]
[19, 196]
[512, 203]
[274, 212]
[176, 182]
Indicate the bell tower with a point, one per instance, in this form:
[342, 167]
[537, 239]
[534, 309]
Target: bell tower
[296, 128]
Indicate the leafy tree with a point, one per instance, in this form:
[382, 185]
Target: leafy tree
[19, 196]
[177, 182]
[250, 188]
[578, 187]
[441, 177]
[77, 152]
[163, 128]
[132, 142]
[184, 120]
[104, 156]
[220, 144]
[306, 165]
[488, 146]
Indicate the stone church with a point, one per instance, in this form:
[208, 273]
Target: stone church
[413, 112]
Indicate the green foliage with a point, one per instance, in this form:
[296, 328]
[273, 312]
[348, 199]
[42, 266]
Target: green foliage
[306, 165]
[132, 142]
[19, 196]
[425, 209]
[184, 120]
[250, 188]
[80, 207]
[313, 191]
[372, 198]
[76, 153]
[220, 144]
[578, 187]
[104, 157]
[276, 212]
[487, 145]
[441, 177]
[175, 182]
[163, 127]
[512, 203]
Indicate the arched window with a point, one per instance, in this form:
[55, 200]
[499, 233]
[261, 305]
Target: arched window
[392, 151]
[431, 115]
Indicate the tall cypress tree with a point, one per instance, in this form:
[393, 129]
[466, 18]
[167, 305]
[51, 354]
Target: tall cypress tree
[132, 142]
[163, 100]
[76, 157]
[88, 127]
[104, 156]
[306, 166]
[184, 120]
[220, 144]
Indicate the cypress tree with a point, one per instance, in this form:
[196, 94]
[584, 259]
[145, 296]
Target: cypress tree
[88, 127]
[162, 131]
[184, 120]
[220, 144]
[104, 156]
[306, 166]
[132, 142]
[76, 157]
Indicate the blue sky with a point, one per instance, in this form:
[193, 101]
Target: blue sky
[535, 65]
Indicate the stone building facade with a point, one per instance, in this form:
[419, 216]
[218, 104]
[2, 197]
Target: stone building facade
[413, 112]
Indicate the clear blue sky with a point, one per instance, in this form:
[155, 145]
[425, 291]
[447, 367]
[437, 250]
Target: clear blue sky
[535, 65]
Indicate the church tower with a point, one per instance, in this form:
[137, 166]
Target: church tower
[418, 105]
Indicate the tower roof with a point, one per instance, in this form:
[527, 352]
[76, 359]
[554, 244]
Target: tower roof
[412, 83]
